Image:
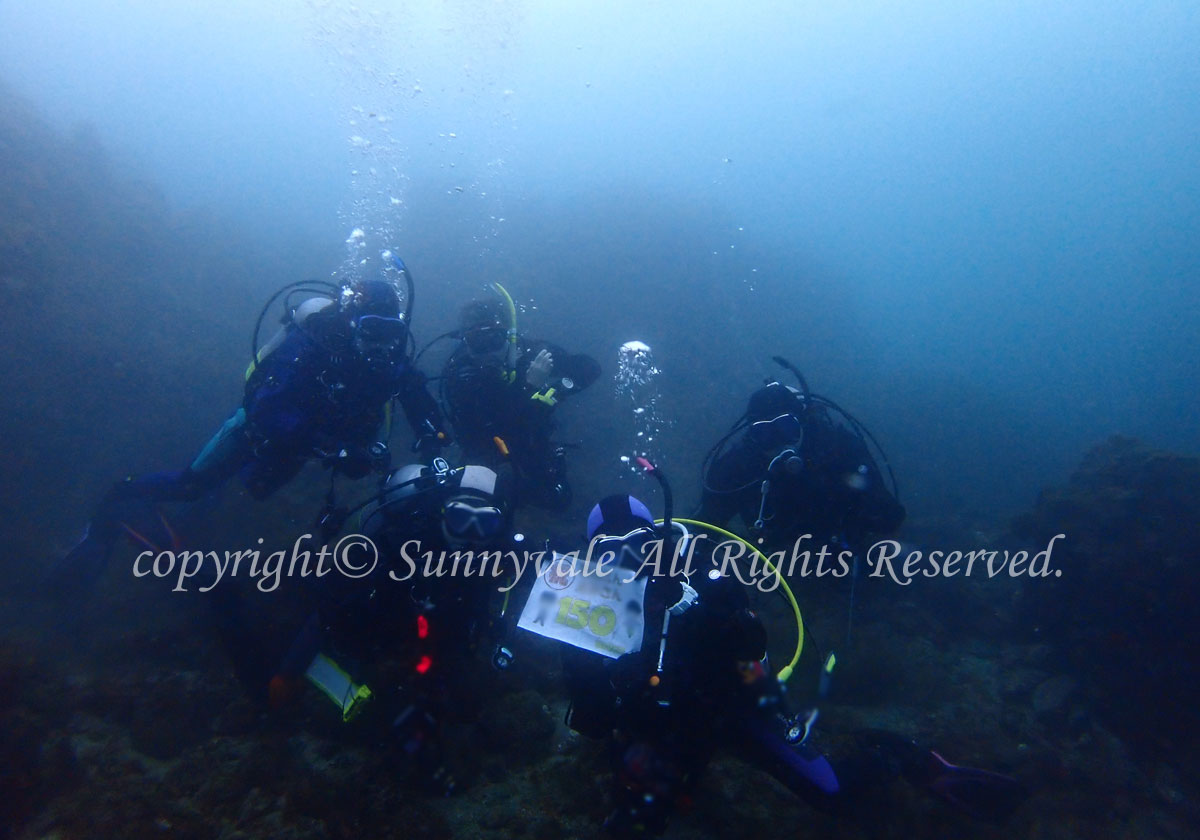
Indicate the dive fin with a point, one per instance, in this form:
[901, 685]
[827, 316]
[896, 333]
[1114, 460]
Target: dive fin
[980, 793]
[82, 566]
[153, 532]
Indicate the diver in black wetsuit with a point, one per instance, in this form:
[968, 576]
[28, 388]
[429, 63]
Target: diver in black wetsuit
[424, 616]
[798, 464]
[498, 385]
[700, 681]
[320, 389]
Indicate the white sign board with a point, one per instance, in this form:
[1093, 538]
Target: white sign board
[598, 613]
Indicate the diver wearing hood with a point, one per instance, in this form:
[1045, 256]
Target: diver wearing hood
[795, 463]
[422, 610]
[696, 679]
[321, 389]
[501, 391]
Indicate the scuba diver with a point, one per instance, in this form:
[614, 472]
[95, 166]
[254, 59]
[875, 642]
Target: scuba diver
[501, 390]
[321, 389]
[694, 677]
[420, 616]
[801, 465]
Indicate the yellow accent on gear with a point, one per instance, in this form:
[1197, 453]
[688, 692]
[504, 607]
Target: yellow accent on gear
[785, 673]
[254, 363]
[546, 397]
[338, 686]
[510, 375]
[351, 711]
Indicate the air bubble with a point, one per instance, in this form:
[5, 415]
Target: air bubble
[637, 389]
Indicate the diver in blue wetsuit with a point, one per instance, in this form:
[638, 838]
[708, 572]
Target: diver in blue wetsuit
[700, 681]
[320, 389]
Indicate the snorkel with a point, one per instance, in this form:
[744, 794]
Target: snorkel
[668, 498]
[809, 401]
[788, 366]
[408, 282]
[858, 428]
[510, 359]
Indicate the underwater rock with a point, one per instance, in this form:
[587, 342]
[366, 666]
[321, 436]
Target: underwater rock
[1020, 682]
[1052, 695]
[1122, 613]
[519, 724]
[165, 713]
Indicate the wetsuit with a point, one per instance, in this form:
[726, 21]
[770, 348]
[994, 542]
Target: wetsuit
[485, 403]
[409, 611]
[311, 396]
[716, 691]
[829, 487]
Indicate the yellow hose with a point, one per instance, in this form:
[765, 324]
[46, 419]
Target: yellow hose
[786, 672]
[511, 373]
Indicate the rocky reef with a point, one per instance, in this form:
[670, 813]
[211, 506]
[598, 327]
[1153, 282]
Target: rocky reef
[1123, 612]
[1081, 686]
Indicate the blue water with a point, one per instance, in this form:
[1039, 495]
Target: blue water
[976, 226]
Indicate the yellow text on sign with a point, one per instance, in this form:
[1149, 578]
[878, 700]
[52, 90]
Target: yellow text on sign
[577, 613]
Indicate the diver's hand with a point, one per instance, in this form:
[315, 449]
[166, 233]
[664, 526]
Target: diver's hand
[351, 461]
[539, 370]
[381, 457]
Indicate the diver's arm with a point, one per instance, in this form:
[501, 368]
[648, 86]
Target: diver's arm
[503, 608]
[421, 409]
[570, 373]
[876, 510]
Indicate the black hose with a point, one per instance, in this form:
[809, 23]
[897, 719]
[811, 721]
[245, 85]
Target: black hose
[408, 281]
[668, 498]
[786, 365]
[381, 495]
[314, 286]
[865, 435]
[451, 334]
[714, 453]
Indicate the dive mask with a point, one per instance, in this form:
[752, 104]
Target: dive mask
[376, 332]
[628, 550]
[777, 431]
[464, 520]
[487, 338]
